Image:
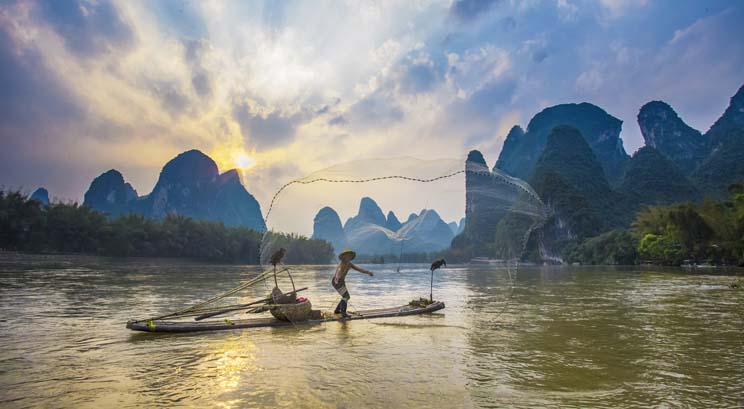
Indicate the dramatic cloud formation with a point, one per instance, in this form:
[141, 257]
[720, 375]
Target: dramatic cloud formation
[300, 85]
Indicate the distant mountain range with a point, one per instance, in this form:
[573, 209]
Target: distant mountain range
[189, 185]
[370, 232]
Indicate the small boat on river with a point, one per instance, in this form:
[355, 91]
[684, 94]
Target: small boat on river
[316, 318]
[286, 309]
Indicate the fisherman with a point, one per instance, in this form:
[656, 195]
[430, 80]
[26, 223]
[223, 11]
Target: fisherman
[339, 279]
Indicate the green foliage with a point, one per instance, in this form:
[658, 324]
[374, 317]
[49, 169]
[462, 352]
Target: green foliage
[724, 166]
[569, 178]
[660, 250]
[461, 250]
[26, 225]
[70, 228]
[570, 206]
[509, 240]
[616, 247]
[652, 179]
[709, 232]
[302, 250]
[689, 228]
[21, 221]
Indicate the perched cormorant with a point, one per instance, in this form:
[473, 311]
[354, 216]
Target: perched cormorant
[277, 257]
[438, 264]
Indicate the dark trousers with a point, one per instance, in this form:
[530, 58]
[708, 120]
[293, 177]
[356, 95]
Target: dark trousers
[340, 287]
[341, 307]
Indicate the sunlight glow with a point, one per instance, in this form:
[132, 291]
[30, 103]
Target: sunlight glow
[244, 161]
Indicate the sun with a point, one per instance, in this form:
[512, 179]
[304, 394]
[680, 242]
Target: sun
[244, 161]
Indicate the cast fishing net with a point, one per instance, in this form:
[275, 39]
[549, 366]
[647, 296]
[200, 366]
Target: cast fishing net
[402, 214]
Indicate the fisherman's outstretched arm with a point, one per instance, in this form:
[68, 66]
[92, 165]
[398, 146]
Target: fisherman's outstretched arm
[362, 270]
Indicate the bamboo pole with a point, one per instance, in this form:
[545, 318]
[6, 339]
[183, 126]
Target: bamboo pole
[239, 307]
[192, 308]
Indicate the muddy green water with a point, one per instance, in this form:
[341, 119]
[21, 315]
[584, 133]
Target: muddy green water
[571, 337]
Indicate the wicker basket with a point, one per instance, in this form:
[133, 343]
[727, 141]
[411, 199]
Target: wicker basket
[278, 297]
[292, 312]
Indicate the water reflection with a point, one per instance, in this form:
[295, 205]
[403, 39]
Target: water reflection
[607, 337]
[569, 337]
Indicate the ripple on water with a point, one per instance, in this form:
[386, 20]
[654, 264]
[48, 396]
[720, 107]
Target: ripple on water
[582, 337]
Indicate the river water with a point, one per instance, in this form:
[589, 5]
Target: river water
[569, 336]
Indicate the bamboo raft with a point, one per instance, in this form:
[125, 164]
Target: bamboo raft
[286, 308]
[317, 318]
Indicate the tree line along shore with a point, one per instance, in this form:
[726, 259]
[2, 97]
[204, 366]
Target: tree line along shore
[28, 226]
[710, 232]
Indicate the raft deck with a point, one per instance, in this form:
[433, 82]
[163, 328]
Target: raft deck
[187, 326]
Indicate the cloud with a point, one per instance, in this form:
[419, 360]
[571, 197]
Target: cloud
[418, 78]
[468, 10]
[375, 110]
[30, 92]
[509, 23]
[87, 28]
[489, 99]
[589, 80]
[172, 98]
[567, 10]
[201, 83]
[201, 80]
[181, 18]
[701, 60]
[266, 130]
[536, 48]
[618, 8]
[477, 66]
[130, 84]
[338, 121]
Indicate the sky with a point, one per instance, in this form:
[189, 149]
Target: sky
[280, 89]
